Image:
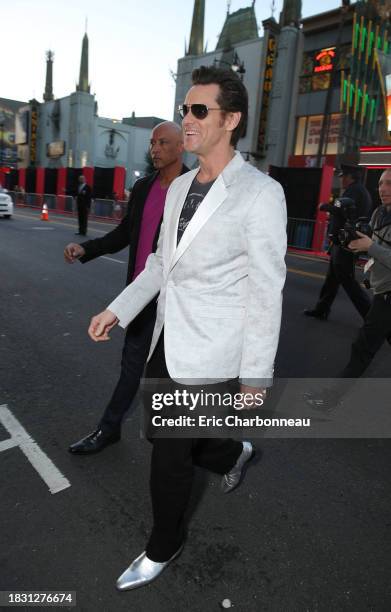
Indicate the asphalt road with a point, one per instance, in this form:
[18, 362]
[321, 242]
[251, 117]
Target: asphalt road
[308, 530]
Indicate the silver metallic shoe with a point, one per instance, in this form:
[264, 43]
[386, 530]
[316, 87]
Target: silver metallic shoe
[142, 571]
[230, 481]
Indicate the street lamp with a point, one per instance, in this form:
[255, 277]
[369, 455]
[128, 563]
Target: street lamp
[236, 65]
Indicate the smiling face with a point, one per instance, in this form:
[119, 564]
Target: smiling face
[203, 136]
[166, 145]
[385, 188]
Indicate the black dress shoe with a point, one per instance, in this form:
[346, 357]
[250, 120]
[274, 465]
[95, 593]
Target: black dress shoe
[324, 400]
[316, 314]
[93, 443]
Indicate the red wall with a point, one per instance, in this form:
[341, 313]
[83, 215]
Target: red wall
[321, 216]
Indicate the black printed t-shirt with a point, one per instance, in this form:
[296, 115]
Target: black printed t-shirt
[196, 194]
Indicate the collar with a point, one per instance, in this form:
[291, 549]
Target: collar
[231, 169]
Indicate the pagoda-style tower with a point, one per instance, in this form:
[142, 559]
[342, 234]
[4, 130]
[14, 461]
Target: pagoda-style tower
[48, 93]
[83, 78]
[196, 44]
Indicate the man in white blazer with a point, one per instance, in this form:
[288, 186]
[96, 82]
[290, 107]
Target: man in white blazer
[220, 270]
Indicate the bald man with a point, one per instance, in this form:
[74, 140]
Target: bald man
[140, 231]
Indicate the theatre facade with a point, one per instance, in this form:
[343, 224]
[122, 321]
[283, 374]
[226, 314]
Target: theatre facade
[319, 90]
[56, 140]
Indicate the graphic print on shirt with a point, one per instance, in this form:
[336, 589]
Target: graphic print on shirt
[197, 193]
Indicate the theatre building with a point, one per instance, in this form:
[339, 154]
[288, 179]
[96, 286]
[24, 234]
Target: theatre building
[58, 139]
[317, 93]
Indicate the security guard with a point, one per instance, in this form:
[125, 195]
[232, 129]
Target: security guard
[341, 269]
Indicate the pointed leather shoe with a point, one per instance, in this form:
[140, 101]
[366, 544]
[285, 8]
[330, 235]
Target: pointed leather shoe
[316, 314]
[323, 400]
[93, 443]
[143, 571]
[231, 480]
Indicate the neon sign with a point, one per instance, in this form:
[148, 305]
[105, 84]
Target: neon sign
[324, 60]
[266, 92]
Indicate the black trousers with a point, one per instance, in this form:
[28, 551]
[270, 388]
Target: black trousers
[134, 356]
[172, 474]
[82, 215]
[341, 271]
[376, 329]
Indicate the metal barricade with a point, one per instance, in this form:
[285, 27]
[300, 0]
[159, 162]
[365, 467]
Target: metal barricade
[300, 233]
[113, 210]
[32, 200]
[109, 209]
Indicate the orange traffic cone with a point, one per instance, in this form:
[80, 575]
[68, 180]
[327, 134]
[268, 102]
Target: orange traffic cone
[45, 213]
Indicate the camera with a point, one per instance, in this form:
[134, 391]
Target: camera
[349, 231]
[344, 223]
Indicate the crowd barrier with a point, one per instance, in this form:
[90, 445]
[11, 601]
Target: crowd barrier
[300, 231]
[113, 210]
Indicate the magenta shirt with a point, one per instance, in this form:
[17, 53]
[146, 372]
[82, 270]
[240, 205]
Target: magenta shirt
[153, 212]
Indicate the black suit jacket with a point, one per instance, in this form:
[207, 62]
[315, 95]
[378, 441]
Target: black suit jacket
[127, 233]
[363, 201]
[361, 197]
[83, 198]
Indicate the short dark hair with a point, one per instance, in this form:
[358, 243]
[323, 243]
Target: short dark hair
[233, 97]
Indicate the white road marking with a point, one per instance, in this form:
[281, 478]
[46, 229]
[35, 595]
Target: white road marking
[112, 259]
[6, 444]
[38, 459]
[43, 228]
[71, 225]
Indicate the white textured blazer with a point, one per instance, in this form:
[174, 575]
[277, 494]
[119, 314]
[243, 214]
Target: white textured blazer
[221, 289]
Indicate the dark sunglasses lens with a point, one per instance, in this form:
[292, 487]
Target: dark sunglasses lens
[199, 111]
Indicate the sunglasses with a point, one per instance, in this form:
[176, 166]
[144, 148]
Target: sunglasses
[199, 111]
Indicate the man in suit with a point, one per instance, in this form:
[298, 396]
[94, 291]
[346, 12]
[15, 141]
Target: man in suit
[139, 230]
[341, 269]
[220, 270]
[83, 203]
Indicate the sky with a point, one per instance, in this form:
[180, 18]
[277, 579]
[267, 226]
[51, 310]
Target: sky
[133, 46]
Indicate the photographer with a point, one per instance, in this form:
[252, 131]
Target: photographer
[377, 326]
[341, 269]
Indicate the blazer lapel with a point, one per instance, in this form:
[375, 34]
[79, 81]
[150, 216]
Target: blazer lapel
[213, 199]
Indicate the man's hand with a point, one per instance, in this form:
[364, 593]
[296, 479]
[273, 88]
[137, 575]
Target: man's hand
[72, 252]
[361, 245]
[100, 326]
[252, 397]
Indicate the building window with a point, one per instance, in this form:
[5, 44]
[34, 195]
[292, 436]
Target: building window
[308, 134]
[300, 135]
[317, 67]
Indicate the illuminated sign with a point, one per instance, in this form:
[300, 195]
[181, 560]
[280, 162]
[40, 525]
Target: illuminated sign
[266, 93]
[388, 94]
[375, 157]
[55, 149]
[33, 134]
[324, 60]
